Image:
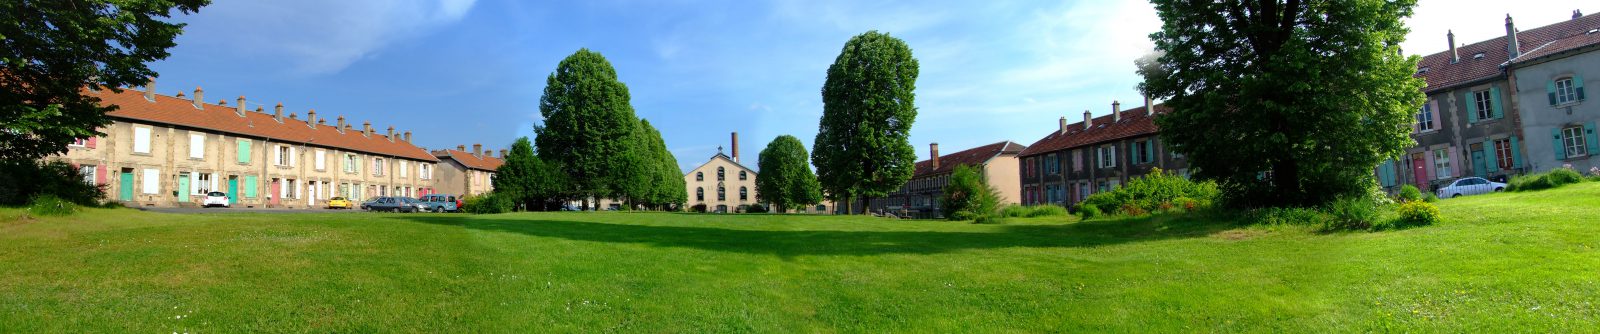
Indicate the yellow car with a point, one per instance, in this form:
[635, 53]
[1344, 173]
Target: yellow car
[340, 203]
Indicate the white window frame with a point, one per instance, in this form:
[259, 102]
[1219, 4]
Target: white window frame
[88, 172]
[79, 142]
[1425, 118]
[427, 171]
[283, 155]
[1108, 156]
[141, 139]
[1441, 163]
[352, 165]
[1572, 140]
[377, 166]
[205, 183]
[405, 168]
[1565, 91]
[1483, 102]
[152, 181]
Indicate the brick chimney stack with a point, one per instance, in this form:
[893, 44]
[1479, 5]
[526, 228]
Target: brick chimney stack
[1512, 49]
[1149, 110]
[340, 126]
[1063, 125]
[238, 108]
[933, 153]
[502, 153]
[407, 137]
[150, 90]
[277, 112]
[366, 129]
[1116, 111]
[736, 146]
[390, 134]
[1088, 121]
[199, 97]
[1576, 14]
[477, 150]
[1451, 36]
[311, 118]
[462, 148]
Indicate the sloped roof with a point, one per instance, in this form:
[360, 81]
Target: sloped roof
[1440, 74]
[971, 156]
[1569, 43]
[485, 162]
[1134, 123]
[719, 155]
[181, 112]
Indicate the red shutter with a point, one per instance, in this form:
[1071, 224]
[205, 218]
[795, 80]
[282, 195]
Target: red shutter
[90, 144]
[99, 173]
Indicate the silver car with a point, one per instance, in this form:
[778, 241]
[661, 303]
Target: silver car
[1468, 186]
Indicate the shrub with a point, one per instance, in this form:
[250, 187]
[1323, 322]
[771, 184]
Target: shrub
[1416, 213]
[1013, 211]
[21, 182]
[50, 205]
[1352, 213]
[487, 204]
[1088, 210]
[1031, 211]
[969, 196]
[755, 208]
[1409, 193]
[1152, 191]
[1287, 216]
[1554, 178]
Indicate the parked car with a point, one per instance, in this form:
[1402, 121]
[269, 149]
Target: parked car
[441, 203]
[340, 203]
[215, 198]
[395, 204]
[1468, 186]
[367, 204]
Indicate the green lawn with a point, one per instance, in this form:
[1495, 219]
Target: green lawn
[1523, 262]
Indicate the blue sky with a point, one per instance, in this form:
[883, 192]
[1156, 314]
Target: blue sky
[459, 72]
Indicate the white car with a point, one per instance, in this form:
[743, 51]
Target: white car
[1467, 186]
[215, 198]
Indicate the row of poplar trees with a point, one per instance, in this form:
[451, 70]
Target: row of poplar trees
[590, 146]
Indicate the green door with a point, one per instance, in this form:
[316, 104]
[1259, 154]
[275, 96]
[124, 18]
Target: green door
[127, 186]
[183, 187]
[1479, 166]
[233, 191]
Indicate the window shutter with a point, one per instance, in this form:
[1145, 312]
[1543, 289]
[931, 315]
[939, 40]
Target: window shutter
[1472, 108]
[1494, 103]
[1493, 155]
[1150, 151]
[1431, 167]
[244, 151]
[1434, 106]
[1550, 90]
[277, 155]
[1590, 139]
[1561, 151]
[250, 186]
[1458, 168]
[100, 174]
[90, 144]
[1516, 154]
[1577, 85]
[294, 156]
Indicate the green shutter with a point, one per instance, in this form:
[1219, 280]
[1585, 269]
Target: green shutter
[1494, 155]
[1590, 139]
[1516, 153]
[1561, 151]
[244, 151]
[250, 186]
[1472, 108]
[1550, 89]
[1149, 151]
[1494, 103]
[1577, 85]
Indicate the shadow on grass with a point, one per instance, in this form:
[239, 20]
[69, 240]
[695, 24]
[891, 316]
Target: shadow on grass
[790, 243]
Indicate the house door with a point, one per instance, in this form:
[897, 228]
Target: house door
[127, 185]
[1479, 164]
[183, 187]
[311, 199]
[276, 192]
[233, 190]
[1419, 171]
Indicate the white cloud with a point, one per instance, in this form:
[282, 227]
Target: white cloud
[314, 36]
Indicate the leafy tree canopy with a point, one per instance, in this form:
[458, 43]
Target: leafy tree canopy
[589, 126]
[786, 180]
[868, 106]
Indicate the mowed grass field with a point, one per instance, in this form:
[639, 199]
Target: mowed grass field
[1524, 262]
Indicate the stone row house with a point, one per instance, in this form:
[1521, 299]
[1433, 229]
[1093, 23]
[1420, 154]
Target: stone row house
[468, 172]
[1095, 155]
[919, 196]
[1503, 107]
[164, 150]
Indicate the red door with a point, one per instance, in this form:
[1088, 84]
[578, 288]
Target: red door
[1419, 171]
[276, 193]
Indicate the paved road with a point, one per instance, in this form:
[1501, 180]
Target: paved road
[246, 210]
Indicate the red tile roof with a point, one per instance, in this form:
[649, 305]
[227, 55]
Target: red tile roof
[178, 111]
[1134, 123]
[486, 162]
[972, 156]
[1440, 74]
[1561, 45]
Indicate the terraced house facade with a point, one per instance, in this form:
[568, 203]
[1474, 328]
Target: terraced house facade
[1096, 155]
[171, 150]
[467, 172]
[919, 196]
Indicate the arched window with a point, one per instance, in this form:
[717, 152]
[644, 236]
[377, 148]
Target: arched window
[741, 175]
[722, 193]
[700, 193]
[720, 174]
[699, 176]
[744, 194]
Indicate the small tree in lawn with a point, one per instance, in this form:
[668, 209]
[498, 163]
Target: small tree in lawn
[969, 196]
[525, 179]
[868, 105]
[786, 179]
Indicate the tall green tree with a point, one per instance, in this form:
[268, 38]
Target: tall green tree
[786, 180]
[1285, 103]
[50, 51]
[868, 105]
[589, 126]
[526, 179]
[668, 188]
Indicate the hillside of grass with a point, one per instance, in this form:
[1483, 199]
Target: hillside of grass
[1509, 262]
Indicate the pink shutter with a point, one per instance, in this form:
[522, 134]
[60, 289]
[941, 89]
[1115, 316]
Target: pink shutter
[1457, 168]
[99, 174]
[90, 144]
[1434, 105]
[1432, 172]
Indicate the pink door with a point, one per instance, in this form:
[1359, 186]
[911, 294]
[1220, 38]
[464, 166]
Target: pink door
[1420, 172]
[276, 192]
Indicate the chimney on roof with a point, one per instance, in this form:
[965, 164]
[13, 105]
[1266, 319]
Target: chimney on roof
[322, 122]
[407, 137]
[933, 152]
[735, 146]
[1451, 36]
[277, 112]
[1116, 111]
[199, 98]
[390, 134]
[311, 118]
[1088, 121]
[1576, 14]
[238, 108]
[1149, 110]
[462, 148]
[477, 150]
[1063, 125]
[1512, 49]
[502, 153]
[222, 103]
[150, 89]
[366, 129]
[340, 126]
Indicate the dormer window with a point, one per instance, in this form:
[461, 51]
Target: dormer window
[1423, 70]
[1477, 55]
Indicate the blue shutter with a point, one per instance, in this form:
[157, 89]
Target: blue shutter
[1590, 139]
[1516, 153]
[1150, 151]
[1577, 85]
[1550, 89]
[1561, 151]
[1494, 156]
[1472, 108]
[1494, 103]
